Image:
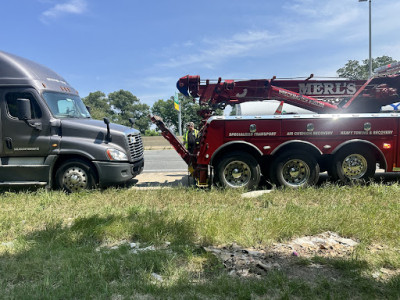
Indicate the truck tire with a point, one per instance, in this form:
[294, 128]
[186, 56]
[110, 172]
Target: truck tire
[238, 170]
[75, 175]
[353, 165]
[294, 169]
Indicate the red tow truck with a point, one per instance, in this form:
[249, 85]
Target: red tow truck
[347, 135]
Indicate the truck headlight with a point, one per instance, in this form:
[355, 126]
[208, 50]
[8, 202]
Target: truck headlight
[114, 154]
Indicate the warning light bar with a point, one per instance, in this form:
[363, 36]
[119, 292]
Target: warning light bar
[390, 68]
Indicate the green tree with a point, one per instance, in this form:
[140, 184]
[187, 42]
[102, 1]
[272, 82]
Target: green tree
[189, 111]
[140, 114]
[233, 111]
[125, 106]
[165, 109]
[353, 69]
[152, 132]
[99, 105]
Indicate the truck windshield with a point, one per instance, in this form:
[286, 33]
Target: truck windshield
[66, 106]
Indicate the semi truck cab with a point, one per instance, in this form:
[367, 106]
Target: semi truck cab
[49, 138]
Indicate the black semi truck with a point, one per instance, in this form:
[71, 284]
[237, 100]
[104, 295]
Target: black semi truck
[49, 138]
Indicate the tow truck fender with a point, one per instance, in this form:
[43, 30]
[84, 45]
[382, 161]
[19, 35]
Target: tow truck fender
[304, 143]
[359, 141]
[234, 143]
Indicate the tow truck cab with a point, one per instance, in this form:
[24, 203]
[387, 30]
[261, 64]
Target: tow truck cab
[49, 138]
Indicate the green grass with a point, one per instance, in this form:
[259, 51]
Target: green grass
[58, 246]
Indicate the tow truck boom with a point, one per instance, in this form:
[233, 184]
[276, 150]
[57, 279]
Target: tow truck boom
[382, 89]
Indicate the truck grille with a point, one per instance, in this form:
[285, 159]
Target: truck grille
[135, 146]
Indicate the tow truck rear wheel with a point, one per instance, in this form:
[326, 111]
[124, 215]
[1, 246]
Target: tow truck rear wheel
[238, 170]
[294, 169]
[353, 165]
[75, 175]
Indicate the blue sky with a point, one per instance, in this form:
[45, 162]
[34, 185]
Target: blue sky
[146, 46]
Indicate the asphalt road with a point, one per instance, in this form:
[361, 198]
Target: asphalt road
[161, 161]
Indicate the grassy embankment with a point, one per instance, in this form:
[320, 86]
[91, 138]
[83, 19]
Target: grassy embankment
[58, 246]
[157, 143]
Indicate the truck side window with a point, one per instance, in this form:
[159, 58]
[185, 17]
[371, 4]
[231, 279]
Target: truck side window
[11, 102]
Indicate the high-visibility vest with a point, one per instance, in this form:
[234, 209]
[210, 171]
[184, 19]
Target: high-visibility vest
[185, 137]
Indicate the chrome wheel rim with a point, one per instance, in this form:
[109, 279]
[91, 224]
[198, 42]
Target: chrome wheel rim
[237, 174]
[75, 179]
[296, 172]
[354, 166]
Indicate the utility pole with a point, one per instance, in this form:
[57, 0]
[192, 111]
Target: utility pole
[177, 106]
[370, 36]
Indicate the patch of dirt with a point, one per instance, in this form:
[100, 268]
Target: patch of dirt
[292, 258]
[257, 262]
[151, 181]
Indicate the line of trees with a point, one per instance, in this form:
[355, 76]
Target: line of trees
[121, 105]
[354, 69]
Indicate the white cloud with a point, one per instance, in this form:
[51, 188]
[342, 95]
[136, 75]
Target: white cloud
[335, 24]
[188, 44]
[76, 7]
[153, 82]
[239, 44]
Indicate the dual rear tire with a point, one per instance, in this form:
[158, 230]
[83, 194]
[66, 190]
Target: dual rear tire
[296, 169]
[293, 169]
[353, 165]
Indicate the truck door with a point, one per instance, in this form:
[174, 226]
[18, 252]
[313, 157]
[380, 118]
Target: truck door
[24, 148]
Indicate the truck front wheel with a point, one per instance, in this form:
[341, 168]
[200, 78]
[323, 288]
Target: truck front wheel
[75, 175]
[294, 169]
[238, 170]
[353, 165]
